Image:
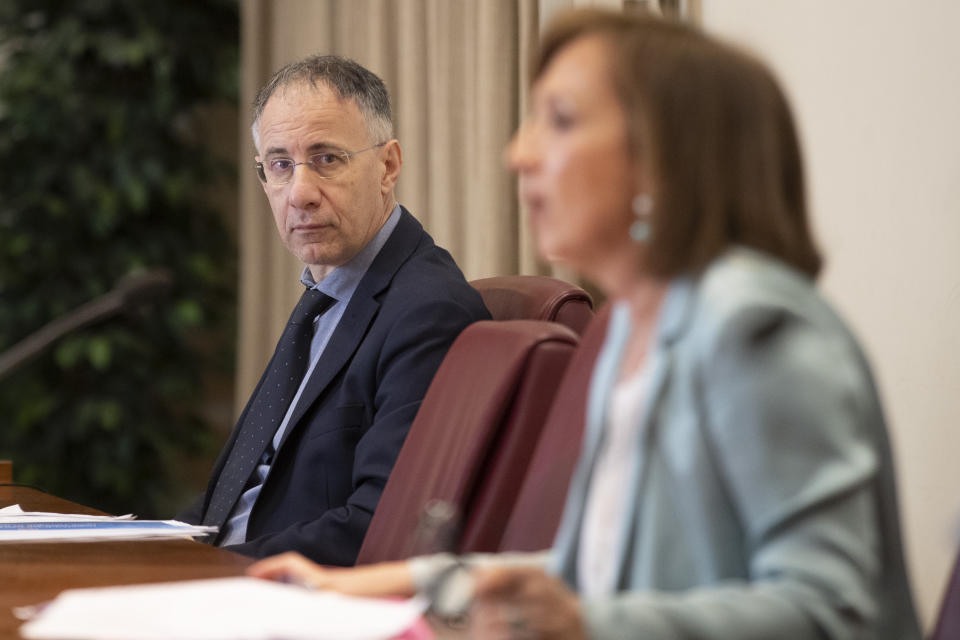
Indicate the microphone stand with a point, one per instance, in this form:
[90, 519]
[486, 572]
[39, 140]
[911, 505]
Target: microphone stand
[130, 291]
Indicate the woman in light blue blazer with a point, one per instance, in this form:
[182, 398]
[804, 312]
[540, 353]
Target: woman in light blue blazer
[736, 478]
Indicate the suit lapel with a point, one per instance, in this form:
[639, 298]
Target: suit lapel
[359, 314]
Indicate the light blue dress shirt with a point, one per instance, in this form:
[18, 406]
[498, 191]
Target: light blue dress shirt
[339, 285]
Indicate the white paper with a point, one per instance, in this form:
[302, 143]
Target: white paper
[17, 525]
[14, 513]
[220, 609]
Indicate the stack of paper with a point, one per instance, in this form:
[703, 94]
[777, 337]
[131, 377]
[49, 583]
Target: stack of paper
[222, 609]
[17, 525]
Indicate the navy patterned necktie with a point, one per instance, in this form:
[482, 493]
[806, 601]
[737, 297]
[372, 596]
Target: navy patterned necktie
[268, 407]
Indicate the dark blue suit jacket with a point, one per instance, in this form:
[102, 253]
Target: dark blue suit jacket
[354, 414]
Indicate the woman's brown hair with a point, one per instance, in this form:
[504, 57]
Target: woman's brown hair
[714, 128]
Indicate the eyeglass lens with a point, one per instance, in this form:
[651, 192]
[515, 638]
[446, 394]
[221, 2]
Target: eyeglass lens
[326, 165]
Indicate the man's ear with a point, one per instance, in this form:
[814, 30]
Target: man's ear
[392, 159]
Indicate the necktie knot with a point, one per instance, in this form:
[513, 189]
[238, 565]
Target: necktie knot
[312, 303]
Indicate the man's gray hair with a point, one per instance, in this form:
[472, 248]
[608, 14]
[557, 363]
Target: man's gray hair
[344, 76]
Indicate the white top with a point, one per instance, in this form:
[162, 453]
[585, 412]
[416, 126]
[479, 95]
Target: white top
[606, 507]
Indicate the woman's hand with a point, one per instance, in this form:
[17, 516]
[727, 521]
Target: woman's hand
[524, 603]
[377, 580]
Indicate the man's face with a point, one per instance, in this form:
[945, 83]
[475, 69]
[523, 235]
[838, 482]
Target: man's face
[325, 222]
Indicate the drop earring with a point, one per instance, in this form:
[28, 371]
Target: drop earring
[641, 230]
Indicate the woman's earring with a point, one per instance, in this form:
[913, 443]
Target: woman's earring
[640, 230]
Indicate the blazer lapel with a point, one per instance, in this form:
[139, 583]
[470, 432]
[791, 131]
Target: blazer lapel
[673, 320]
[659, 373]
[359, 314]
[566, 544]
[671, 323]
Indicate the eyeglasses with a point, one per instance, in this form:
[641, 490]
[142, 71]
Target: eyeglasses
[327, 164]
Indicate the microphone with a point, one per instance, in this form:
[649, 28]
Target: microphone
[130, 291]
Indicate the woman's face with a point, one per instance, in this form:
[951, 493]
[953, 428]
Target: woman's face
[577, 176]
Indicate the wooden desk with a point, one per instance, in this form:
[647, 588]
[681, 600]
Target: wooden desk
[34, 572]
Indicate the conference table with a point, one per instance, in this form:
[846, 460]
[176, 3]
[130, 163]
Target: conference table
[31, 573]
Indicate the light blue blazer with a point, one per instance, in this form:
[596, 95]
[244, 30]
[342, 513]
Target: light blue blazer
[762, 499]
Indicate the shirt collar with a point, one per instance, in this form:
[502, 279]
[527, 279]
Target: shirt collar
[343, 280]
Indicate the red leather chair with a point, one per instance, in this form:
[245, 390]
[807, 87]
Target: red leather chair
[536, 298]
[948, 621]
[535, 514]
[483, 411]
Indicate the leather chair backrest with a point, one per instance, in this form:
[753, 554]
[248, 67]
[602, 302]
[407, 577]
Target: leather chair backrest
[536, 298]
[498, 378]
[536, 512]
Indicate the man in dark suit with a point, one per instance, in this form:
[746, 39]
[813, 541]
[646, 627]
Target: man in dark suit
[309, 457]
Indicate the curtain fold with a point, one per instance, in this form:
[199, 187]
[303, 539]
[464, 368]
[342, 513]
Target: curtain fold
[457, 74]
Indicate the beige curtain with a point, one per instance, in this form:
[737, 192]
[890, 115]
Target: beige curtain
[457, 74]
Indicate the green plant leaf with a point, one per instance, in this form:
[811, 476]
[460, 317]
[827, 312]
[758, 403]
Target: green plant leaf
[99, 352]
